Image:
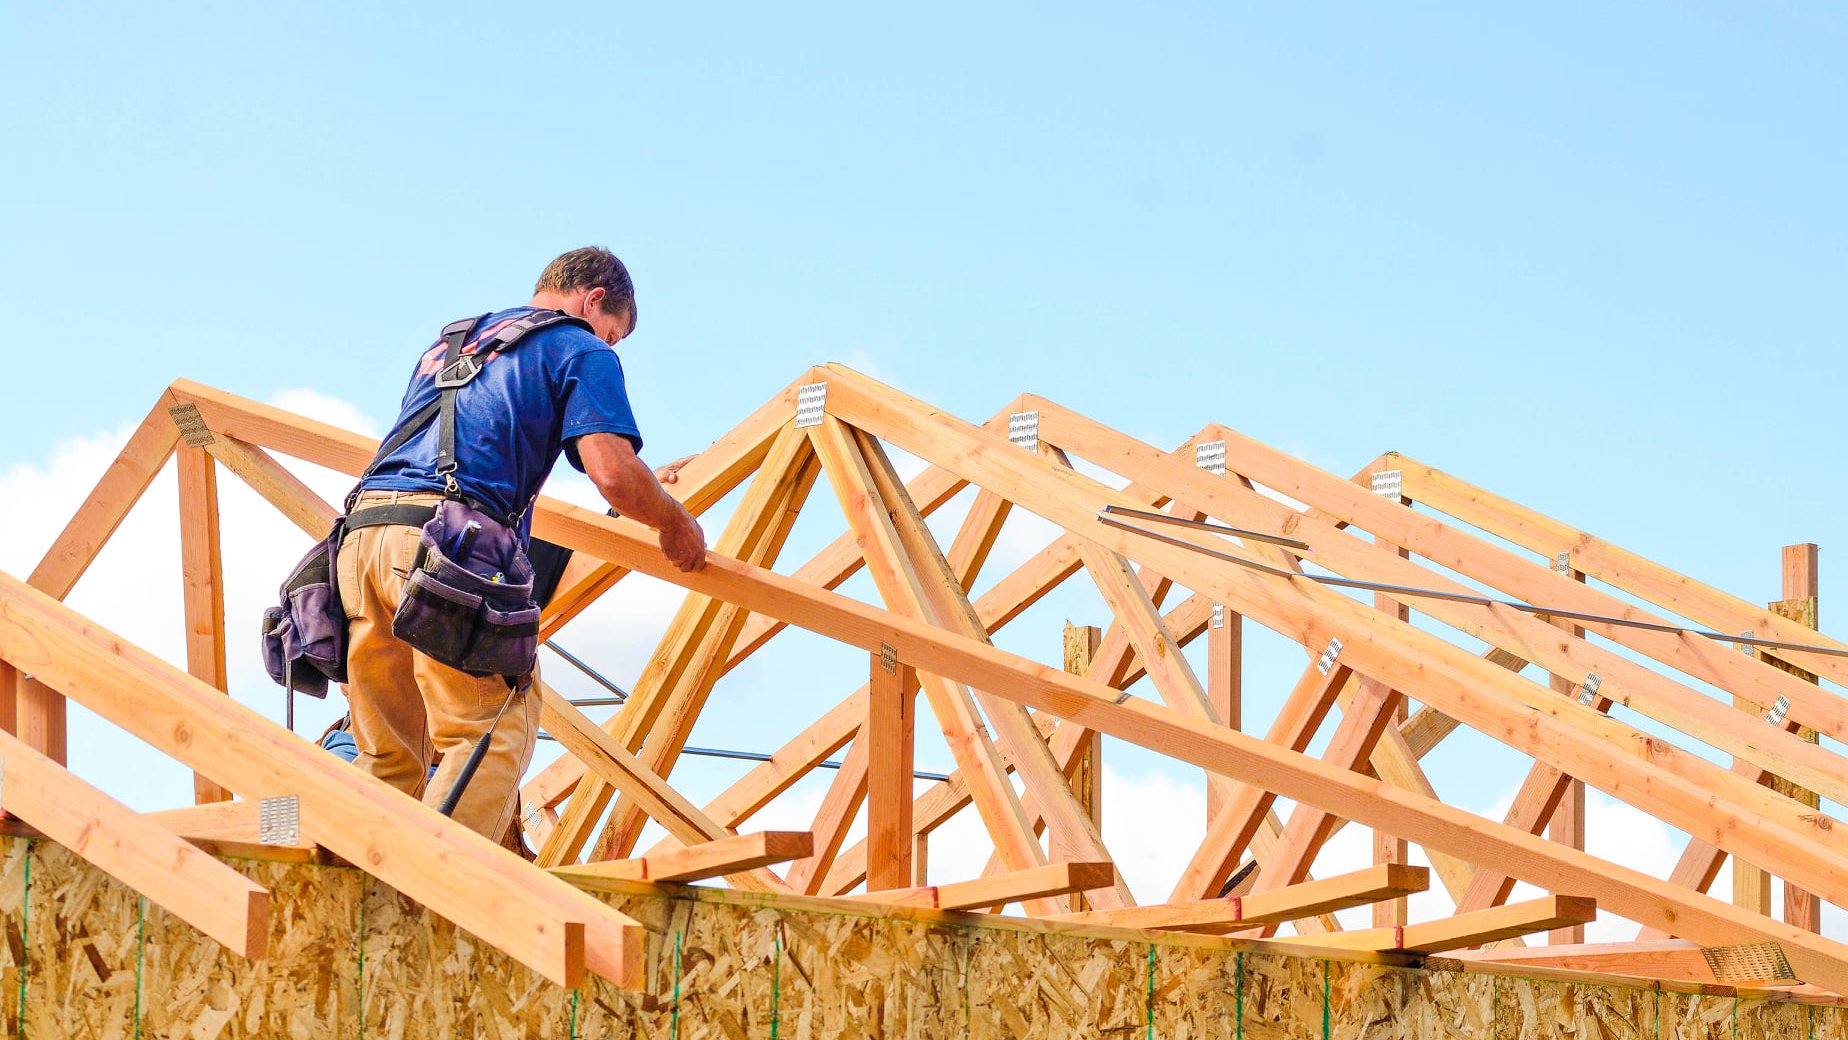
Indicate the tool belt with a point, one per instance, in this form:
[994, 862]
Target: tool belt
[468, 601]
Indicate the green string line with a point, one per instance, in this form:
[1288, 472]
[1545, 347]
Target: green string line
[359, 940]
[1735, 1016]
[678, 936]
[25, 940]
[1809, 1021]
[1658, 1014]
[776, 983]
[141, 917]
[1239, 1022]
[1149, 1006]
[574, 1005]
[1325, 1030]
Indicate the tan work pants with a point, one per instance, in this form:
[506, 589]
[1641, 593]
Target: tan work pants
[405, 706]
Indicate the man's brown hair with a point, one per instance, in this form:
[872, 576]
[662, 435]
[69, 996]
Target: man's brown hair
[592, 267]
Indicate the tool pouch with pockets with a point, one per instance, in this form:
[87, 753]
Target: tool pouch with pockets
[469, 599]
[305, 637]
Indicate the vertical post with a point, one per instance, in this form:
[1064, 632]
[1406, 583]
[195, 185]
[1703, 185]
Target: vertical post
[42, 719]
[890, 721]
[1388, 848]
[1225, 653]
[1081, 643]
[920, 859]
[202, 569]
[9, 698]
[1568, 823]
[1800, 604]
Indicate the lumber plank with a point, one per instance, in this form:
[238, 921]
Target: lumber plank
[1628, 571]
[543, 923]
[202, 572]
[273, 481]
[102, 511]
[1662, 959]
[1018, 886]
[738, 854]
[614, 765]
[891, 720]
[839, 807]
[1375, 883]
[1463, 930]
[134, 850]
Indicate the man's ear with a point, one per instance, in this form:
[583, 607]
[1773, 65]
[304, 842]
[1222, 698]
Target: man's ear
[593, 300]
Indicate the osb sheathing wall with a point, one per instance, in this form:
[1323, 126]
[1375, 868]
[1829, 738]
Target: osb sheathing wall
[86, 957]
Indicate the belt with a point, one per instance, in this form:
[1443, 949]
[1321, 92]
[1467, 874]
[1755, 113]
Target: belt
[381, 516]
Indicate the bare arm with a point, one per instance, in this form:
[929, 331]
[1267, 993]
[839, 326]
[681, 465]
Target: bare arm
[632, 489]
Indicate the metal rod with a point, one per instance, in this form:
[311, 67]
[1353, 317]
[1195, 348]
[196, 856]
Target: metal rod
[756, 756]
[1458, 597]
[621, 694]
[1202, 525]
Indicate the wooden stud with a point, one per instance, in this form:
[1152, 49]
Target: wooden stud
[1463, 930]
[1388, 848]
[1294, 902]
[846, 793]
[738, 854]
[203, 573]
[614, 765]
[1567, 823]
[1225, 680]
[1801, 595]
[1020, 886]
[890, 720]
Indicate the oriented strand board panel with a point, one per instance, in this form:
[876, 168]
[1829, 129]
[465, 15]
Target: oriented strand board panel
[351, 957]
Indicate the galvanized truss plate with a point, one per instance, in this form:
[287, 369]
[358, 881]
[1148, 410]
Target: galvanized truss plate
[1390, 483]
[191, 425]
[279, 820]
[1779, 711]
[1747, 963]
[1326, 662]
[1023, 430]
[1211, 456]
[811, 404]
[888, 658]
[1563, 563]
[1219, 615]
[1588, 693]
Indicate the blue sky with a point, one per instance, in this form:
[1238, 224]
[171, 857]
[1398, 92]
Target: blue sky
[1587, 256]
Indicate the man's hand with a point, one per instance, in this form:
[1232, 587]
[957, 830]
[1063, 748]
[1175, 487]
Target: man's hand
[670, 473]
[684, 545]
[634, 491]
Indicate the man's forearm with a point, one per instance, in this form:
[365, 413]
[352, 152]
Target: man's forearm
[636, 494]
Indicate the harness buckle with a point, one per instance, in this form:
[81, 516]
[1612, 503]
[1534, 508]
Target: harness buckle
[460, 374]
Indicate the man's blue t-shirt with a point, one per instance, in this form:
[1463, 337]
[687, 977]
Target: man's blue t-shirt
[526, 406]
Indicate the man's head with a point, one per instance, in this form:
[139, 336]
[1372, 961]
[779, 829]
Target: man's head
[592, 284]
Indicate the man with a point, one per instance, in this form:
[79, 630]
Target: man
[560, 389]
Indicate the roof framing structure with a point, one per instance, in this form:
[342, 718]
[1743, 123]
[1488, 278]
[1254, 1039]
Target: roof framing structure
[1195, 542]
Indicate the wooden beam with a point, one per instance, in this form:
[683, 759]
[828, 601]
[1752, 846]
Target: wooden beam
[846, 793]
[1389, 848]
[1225, 679]
[543, 923]
[1294, 902]
[1239, 819]
[135, 850]
[203, 582]
[1566, 821]
[124, 483]
[891, 719]
[273, 481]
[1802, 591]
[1020, 886]
[1675, 959]
[614, 765]
[1625, 570]
[1081, 643]
[874, 521]
[738, 854]
[1464, 930]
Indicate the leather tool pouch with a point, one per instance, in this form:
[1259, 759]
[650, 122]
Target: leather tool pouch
[471, 608]
[304, 639]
